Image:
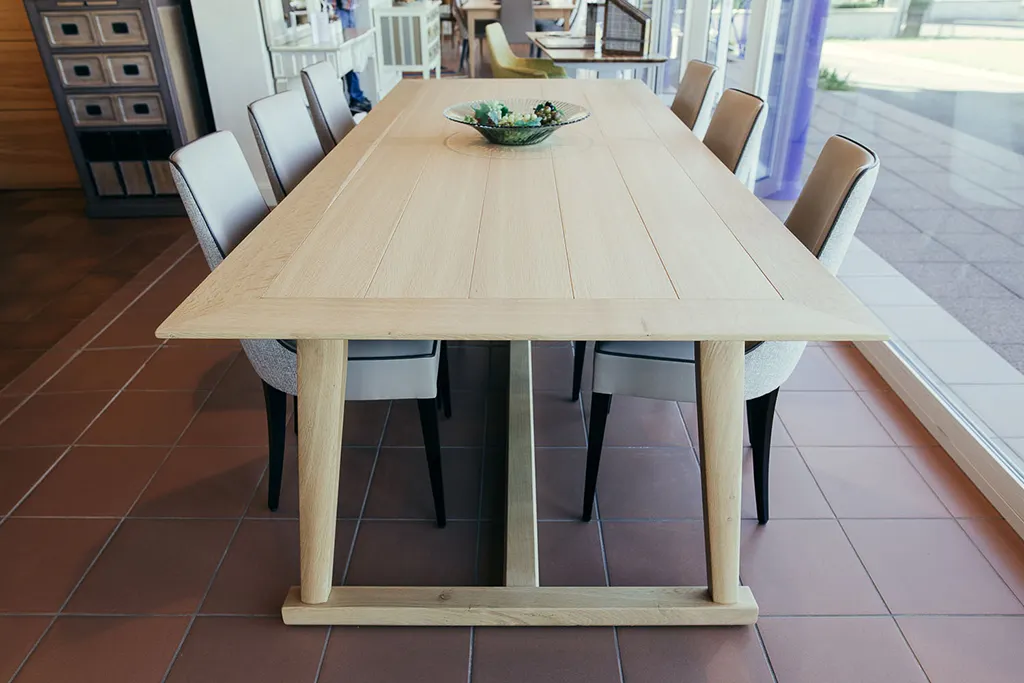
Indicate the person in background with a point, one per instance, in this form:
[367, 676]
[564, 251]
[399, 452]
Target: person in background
[357, 100]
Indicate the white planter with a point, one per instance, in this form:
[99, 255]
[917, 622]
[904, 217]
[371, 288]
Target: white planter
[875, 22]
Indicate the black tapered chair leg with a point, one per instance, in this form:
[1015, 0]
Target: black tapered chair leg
[760, 417]
[464, 54]
[600, 404]
[579, 353]
[444, 385]
[295, 415]
[277, 416]
[432, 444]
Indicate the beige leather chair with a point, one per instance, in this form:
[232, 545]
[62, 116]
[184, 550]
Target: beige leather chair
[737, 119]
[692, 103]
[824, 219]
[328, 105]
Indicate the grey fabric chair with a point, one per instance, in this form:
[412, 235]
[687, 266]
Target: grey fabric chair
[328, 105]
[286, 138]
[735, 124]
[224, 205]
[516, 17]
[824, 219]
[691, 103]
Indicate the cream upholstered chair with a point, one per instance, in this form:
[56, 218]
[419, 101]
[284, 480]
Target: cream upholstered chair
[691, 103]
[737, 119]
[286, 138]
[225, 205]
[328, 105]
[823, 219]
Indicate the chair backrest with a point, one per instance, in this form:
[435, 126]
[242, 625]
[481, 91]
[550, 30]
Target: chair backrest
[824, 219]
[692, 99]
[502, 57]
[287, 140]
[732, 127]
[220, 195]
[328, 105]
[833, 200]
[224, 205]
[516, 18]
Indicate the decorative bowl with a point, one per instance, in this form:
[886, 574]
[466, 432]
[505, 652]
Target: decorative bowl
[516, 121]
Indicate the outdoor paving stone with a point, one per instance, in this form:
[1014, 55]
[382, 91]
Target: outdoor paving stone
[937, 221]
[999, 321]
[1009, 275]
[947, 280]
[980, 248]
[900, 248]
[884, 221]
[1007, 221]
[909, 198]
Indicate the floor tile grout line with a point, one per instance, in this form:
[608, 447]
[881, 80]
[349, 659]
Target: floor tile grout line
[910, 647]
[987, 560]
[764, 651]
[366, 497]
[323, 654]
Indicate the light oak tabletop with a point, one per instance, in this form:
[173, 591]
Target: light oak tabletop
[623, 226]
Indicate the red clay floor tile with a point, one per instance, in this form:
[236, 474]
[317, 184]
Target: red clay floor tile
[401, 485]
[956, 491]
[414, 554]
[816, 372]
[1002, 547]
[838, 650]
[21, 469]
[792, 493]
[203, 482]
[903, 427]
[830, 418]
[44, 560]
[94, 481]
[105, 649]
[560, 476]
[154, 566]
[544, 655]
[185, 368]
[367, 654]
[655, 553]
[570, 554]
[145, 418]
[962, 649]
[693, 655]
[654, 483]
[249, 650]
[18, 635]
[102, 370]
[52, 419]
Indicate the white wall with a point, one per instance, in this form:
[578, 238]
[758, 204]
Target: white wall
[237, 68]
[951, 10]
[882, 22]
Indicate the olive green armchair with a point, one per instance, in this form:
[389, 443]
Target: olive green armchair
[505, 63]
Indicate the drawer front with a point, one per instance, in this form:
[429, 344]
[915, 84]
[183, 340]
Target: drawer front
[104, 176]
[129, 69]
[163, 181]
[92, 110]
[141, 110]
[81, 71]
[123, 27]
[69, 29]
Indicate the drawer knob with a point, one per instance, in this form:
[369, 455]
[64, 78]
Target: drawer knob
[140, 108]
[82, 70]
[119, 27]
[69, 29]
[93, 110]
[130, 69]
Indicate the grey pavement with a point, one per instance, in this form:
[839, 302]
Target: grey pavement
[948, 209]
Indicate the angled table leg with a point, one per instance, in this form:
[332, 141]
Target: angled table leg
[322, 375]
[720, 413]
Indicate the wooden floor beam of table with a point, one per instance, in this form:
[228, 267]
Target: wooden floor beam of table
[522, 601]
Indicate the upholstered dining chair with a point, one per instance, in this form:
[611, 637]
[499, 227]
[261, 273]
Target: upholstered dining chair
[505, 63]
[286, 139]
[824, 219]
[691, 103]
[734, 125]
[328, 104]
[736, 120]
[224, 205]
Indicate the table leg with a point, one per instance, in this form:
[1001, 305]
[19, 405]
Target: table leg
[471, 29]
[720, 413]
[322, 375]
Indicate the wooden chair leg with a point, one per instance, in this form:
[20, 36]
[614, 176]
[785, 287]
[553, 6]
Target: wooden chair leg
[579, 354]
[760, 417]
[444, 386]
[600, 405]
[277, 412]
[432, 444]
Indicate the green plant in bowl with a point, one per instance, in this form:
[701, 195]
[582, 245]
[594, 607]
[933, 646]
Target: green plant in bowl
[516, 121]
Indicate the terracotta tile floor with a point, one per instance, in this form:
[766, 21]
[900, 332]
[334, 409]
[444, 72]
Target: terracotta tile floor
[137, 546]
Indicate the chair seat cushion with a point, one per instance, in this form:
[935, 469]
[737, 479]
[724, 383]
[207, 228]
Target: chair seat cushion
[382, 349]
[674, 351]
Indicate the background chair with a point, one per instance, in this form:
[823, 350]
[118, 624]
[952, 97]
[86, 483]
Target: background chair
[691, 103]
[224, 205]
[505, 64]
[328, 105]
[286, 138]
[736, 122]
[824, 219]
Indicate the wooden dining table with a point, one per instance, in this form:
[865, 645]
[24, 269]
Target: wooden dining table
[574, 59]
[621, 227]
[478, 10]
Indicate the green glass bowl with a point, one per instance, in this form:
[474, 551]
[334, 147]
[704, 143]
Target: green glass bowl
[517, 136]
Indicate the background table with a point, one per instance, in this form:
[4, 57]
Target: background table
[573, 59]
[477, 10]
[621, 227]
